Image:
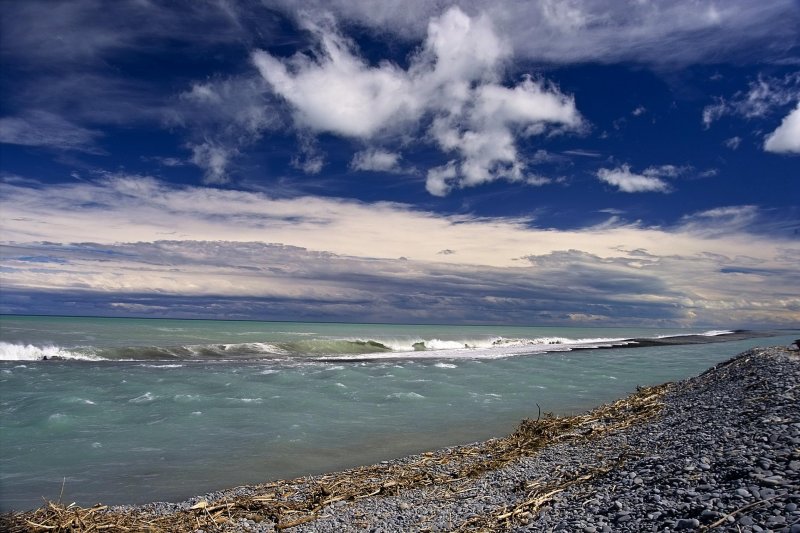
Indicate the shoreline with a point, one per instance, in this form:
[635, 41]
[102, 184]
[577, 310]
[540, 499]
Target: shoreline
[666, 457]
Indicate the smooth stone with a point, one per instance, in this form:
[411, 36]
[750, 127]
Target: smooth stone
[687, 523]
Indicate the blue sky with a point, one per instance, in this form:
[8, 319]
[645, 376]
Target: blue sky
[550, 162]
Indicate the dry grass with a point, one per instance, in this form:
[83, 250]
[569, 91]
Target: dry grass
[290, 503]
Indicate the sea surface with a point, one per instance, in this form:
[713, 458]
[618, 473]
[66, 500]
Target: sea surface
[139, 410]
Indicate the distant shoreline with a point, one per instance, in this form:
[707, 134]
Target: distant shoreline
[358, 322]
[673, 456]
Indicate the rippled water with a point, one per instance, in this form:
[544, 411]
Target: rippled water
[137, 431]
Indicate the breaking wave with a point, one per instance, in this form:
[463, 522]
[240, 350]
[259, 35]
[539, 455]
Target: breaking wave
[29, 352]
[327, 349]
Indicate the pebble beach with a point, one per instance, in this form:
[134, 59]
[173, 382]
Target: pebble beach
[719, 451]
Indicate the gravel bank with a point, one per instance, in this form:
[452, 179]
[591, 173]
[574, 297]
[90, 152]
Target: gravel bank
[725, 453]
[721, 451]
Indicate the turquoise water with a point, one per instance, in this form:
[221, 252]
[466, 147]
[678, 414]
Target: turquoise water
[131, 415]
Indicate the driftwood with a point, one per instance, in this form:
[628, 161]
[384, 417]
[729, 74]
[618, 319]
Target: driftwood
[290, 503]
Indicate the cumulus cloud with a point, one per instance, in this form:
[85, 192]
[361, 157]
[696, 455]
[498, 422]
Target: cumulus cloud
[440, 179]
[339, 92]
[451, 89]
[376, 160]
[786, 138]
[627, 181]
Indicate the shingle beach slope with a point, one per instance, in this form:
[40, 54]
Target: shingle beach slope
[724, 454]
[719, 451]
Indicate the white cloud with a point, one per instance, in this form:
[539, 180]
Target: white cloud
[308, 159]
[710, 173]
[376, 160]
[640, 110]
[762, 97]
[214, 159]
[672, 32]
[122, 208]
[451, 88]
[786, 138]
[340, 256]
[733, 143]
[627, 181]
[440, 179]
[41, 128]
[339, 93]
[221, 117]
[665, 171]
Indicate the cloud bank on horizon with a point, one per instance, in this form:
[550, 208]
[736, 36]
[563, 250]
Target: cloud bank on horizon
[527, 162]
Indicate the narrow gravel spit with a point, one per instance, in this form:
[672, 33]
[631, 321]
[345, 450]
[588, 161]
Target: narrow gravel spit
[720, 451]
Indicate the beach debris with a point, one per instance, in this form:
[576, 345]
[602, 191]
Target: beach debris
[289, 503]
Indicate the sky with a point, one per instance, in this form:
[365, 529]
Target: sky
[550, 162]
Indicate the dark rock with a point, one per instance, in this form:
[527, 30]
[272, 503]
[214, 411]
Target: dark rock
[687, 523]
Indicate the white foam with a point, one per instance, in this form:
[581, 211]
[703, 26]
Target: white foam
[495, 343]
[187, 397]
[30, 352]
[144, 398]
[445, 365]
[406, 395]
[493, 352]
[716, 333]
[81, 400]
[710, 333]
[246, 400]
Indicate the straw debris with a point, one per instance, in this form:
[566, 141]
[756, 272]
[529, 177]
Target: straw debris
[291, 503]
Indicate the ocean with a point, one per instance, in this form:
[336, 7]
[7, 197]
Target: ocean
[117, 410]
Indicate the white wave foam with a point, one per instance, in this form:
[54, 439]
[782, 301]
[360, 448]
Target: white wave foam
[439, 345]
[491, 351]
[445, 365]
[406, 396]
[246, 400]
[81, 400]
[187, 397]
[710, 333]
[716, 333]
[29, 352]
[144, 398]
